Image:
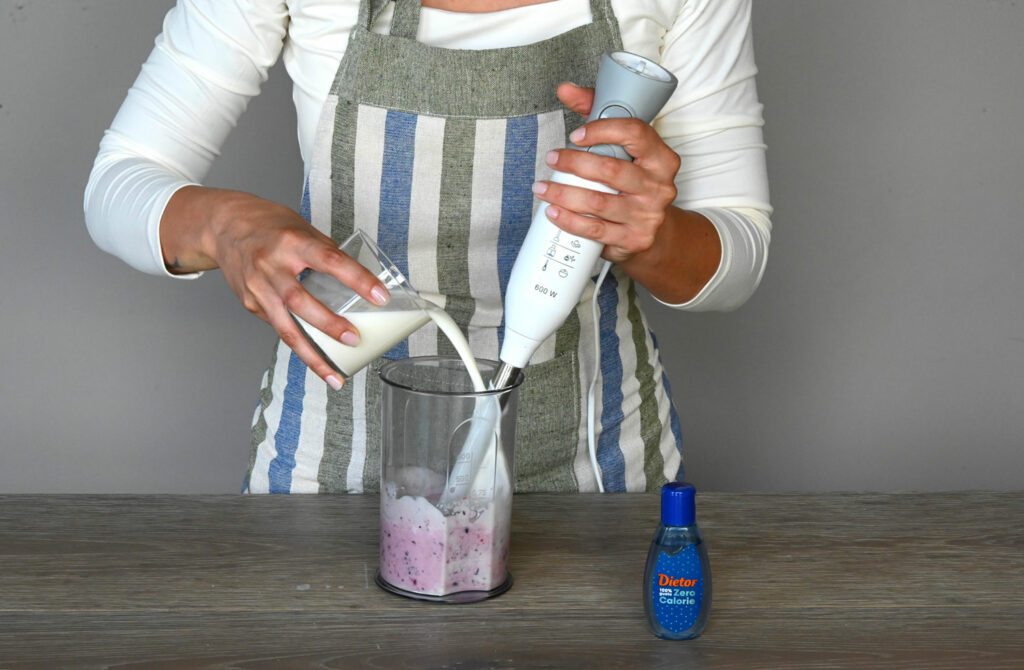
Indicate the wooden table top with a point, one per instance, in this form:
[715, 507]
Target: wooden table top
[800, 581]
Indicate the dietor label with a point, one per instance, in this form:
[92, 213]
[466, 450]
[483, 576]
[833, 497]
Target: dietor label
[677, 589]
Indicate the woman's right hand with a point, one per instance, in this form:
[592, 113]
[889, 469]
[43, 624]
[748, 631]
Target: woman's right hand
[261, 247]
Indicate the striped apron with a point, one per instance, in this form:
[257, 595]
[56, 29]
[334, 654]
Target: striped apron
[432, 152]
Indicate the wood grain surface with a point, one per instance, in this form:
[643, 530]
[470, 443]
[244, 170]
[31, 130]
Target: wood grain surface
[800, 581]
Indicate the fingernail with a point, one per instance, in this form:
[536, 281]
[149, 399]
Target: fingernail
[552, 157]
[379, 295]
[350, 338]
[334, 382]
[539, 187]
[553, 212]
[578, 134]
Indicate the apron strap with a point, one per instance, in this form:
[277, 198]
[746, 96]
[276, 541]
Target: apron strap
[369, 10]
[406, 19]
[601, 10]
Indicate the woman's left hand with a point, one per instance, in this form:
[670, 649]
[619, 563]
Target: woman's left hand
[627, 223]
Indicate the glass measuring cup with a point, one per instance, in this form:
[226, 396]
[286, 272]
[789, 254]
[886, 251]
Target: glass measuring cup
[380, 327]
[432, 546]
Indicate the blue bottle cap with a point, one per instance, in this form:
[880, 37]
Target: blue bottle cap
[678, 506]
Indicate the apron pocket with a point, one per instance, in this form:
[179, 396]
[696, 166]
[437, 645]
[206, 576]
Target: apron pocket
[547, 434]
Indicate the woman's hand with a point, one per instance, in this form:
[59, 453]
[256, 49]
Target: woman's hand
[627, 223]
[670, 251]
[261, 247]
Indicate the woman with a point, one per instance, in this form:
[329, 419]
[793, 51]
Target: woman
[432, 128]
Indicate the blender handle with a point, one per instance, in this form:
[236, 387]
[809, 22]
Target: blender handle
[553, 266]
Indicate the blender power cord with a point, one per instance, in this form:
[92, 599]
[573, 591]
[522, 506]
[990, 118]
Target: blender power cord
[591, 400]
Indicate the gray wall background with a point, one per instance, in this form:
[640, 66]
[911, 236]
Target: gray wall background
[883, 351]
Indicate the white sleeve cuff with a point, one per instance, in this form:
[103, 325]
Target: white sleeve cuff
[124, 202]
[745, 234]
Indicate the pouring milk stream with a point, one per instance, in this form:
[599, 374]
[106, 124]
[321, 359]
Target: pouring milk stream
[382, 327]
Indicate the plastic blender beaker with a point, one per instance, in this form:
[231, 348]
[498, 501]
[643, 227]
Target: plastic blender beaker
[380, 327]
[443, 548]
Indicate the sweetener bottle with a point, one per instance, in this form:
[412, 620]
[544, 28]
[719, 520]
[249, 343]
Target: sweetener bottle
[677, 579]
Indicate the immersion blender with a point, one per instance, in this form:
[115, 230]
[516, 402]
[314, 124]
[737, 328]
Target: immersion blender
[553, 266]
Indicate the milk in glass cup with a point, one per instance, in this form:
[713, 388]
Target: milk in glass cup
[380, 327]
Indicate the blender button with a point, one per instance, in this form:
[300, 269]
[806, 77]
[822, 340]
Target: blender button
[614, 112]
[603, 150]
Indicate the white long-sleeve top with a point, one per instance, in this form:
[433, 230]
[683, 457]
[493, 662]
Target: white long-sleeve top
[213, 55]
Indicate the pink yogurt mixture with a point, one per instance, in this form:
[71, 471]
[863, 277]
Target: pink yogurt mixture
[424, 551]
